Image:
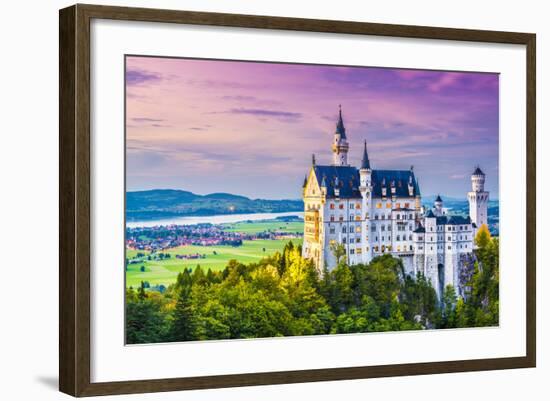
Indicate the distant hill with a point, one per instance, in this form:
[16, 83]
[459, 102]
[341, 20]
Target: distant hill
[165, 203]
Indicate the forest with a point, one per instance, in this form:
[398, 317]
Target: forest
[284, 295]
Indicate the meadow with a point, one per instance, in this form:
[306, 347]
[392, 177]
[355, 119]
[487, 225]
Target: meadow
[165, 271]
[267, 225]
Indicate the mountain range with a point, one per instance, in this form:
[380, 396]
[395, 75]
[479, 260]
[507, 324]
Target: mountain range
[164, 203]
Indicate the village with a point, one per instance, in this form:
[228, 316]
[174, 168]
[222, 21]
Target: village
[160, 238]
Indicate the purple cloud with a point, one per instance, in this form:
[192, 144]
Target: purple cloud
[281, 115]
[140, 77]
[147, 120]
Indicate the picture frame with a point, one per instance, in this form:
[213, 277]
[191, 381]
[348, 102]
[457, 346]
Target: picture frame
[75, 199]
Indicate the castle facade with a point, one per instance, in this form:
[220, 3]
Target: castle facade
[376, 212]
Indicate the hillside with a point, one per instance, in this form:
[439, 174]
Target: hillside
[163, 203]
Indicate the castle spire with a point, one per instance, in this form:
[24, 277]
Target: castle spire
[340, 144]
[365, 163]
[340, 129]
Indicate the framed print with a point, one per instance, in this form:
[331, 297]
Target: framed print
[262, 200]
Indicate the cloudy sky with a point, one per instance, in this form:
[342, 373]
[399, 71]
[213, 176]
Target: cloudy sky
[250, 128]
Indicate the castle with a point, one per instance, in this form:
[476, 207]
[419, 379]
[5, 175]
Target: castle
[375, 212]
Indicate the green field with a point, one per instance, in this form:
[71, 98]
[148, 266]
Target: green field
[166, 271]
[267, 225]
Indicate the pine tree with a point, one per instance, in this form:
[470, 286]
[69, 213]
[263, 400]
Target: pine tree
[183, 324]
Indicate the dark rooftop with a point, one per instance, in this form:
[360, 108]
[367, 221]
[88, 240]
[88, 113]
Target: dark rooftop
[346, 178]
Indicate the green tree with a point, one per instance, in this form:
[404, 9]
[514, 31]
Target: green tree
[448, 301]
[183, 325]
[145, 320]
[339, 251]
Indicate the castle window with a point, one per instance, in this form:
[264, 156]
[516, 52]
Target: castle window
[378, 205]
[398, 238]
[351, 216]
[449, 247]
[398, 205]
[358, 206]
[351, 240]
[341, 206]
[341, 218]
[352, 206]
[332, 205]
[398, 217]
[407, 205]
[344, 240]
[358, 251]
[388, 205]
[383, 228]
[344, 229]
[410, 237]
[398, 248]
[375, 217]
[358, 229]
[331, 217]
[410, 247]
[373, 228]
[358, 218]
[352, 251]
[332, 230]
[448, 238]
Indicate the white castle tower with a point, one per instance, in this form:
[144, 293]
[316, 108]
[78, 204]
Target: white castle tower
[438, 206]
[340, 145]
[365, 188]
[478, 198]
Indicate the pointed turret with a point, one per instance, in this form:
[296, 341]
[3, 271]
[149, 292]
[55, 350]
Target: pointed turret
[340, 144]
[340, 129]
[365, 163]
[305, 181]
[478, 171]
[438, 206]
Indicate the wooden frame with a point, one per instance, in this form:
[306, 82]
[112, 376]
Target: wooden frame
[74, 199]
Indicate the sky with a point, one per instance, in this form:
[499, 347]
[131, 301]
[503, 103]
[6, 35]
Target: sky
[250, 128]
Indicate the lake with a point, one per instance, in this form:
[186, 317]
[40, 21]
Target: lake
[216, 219]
